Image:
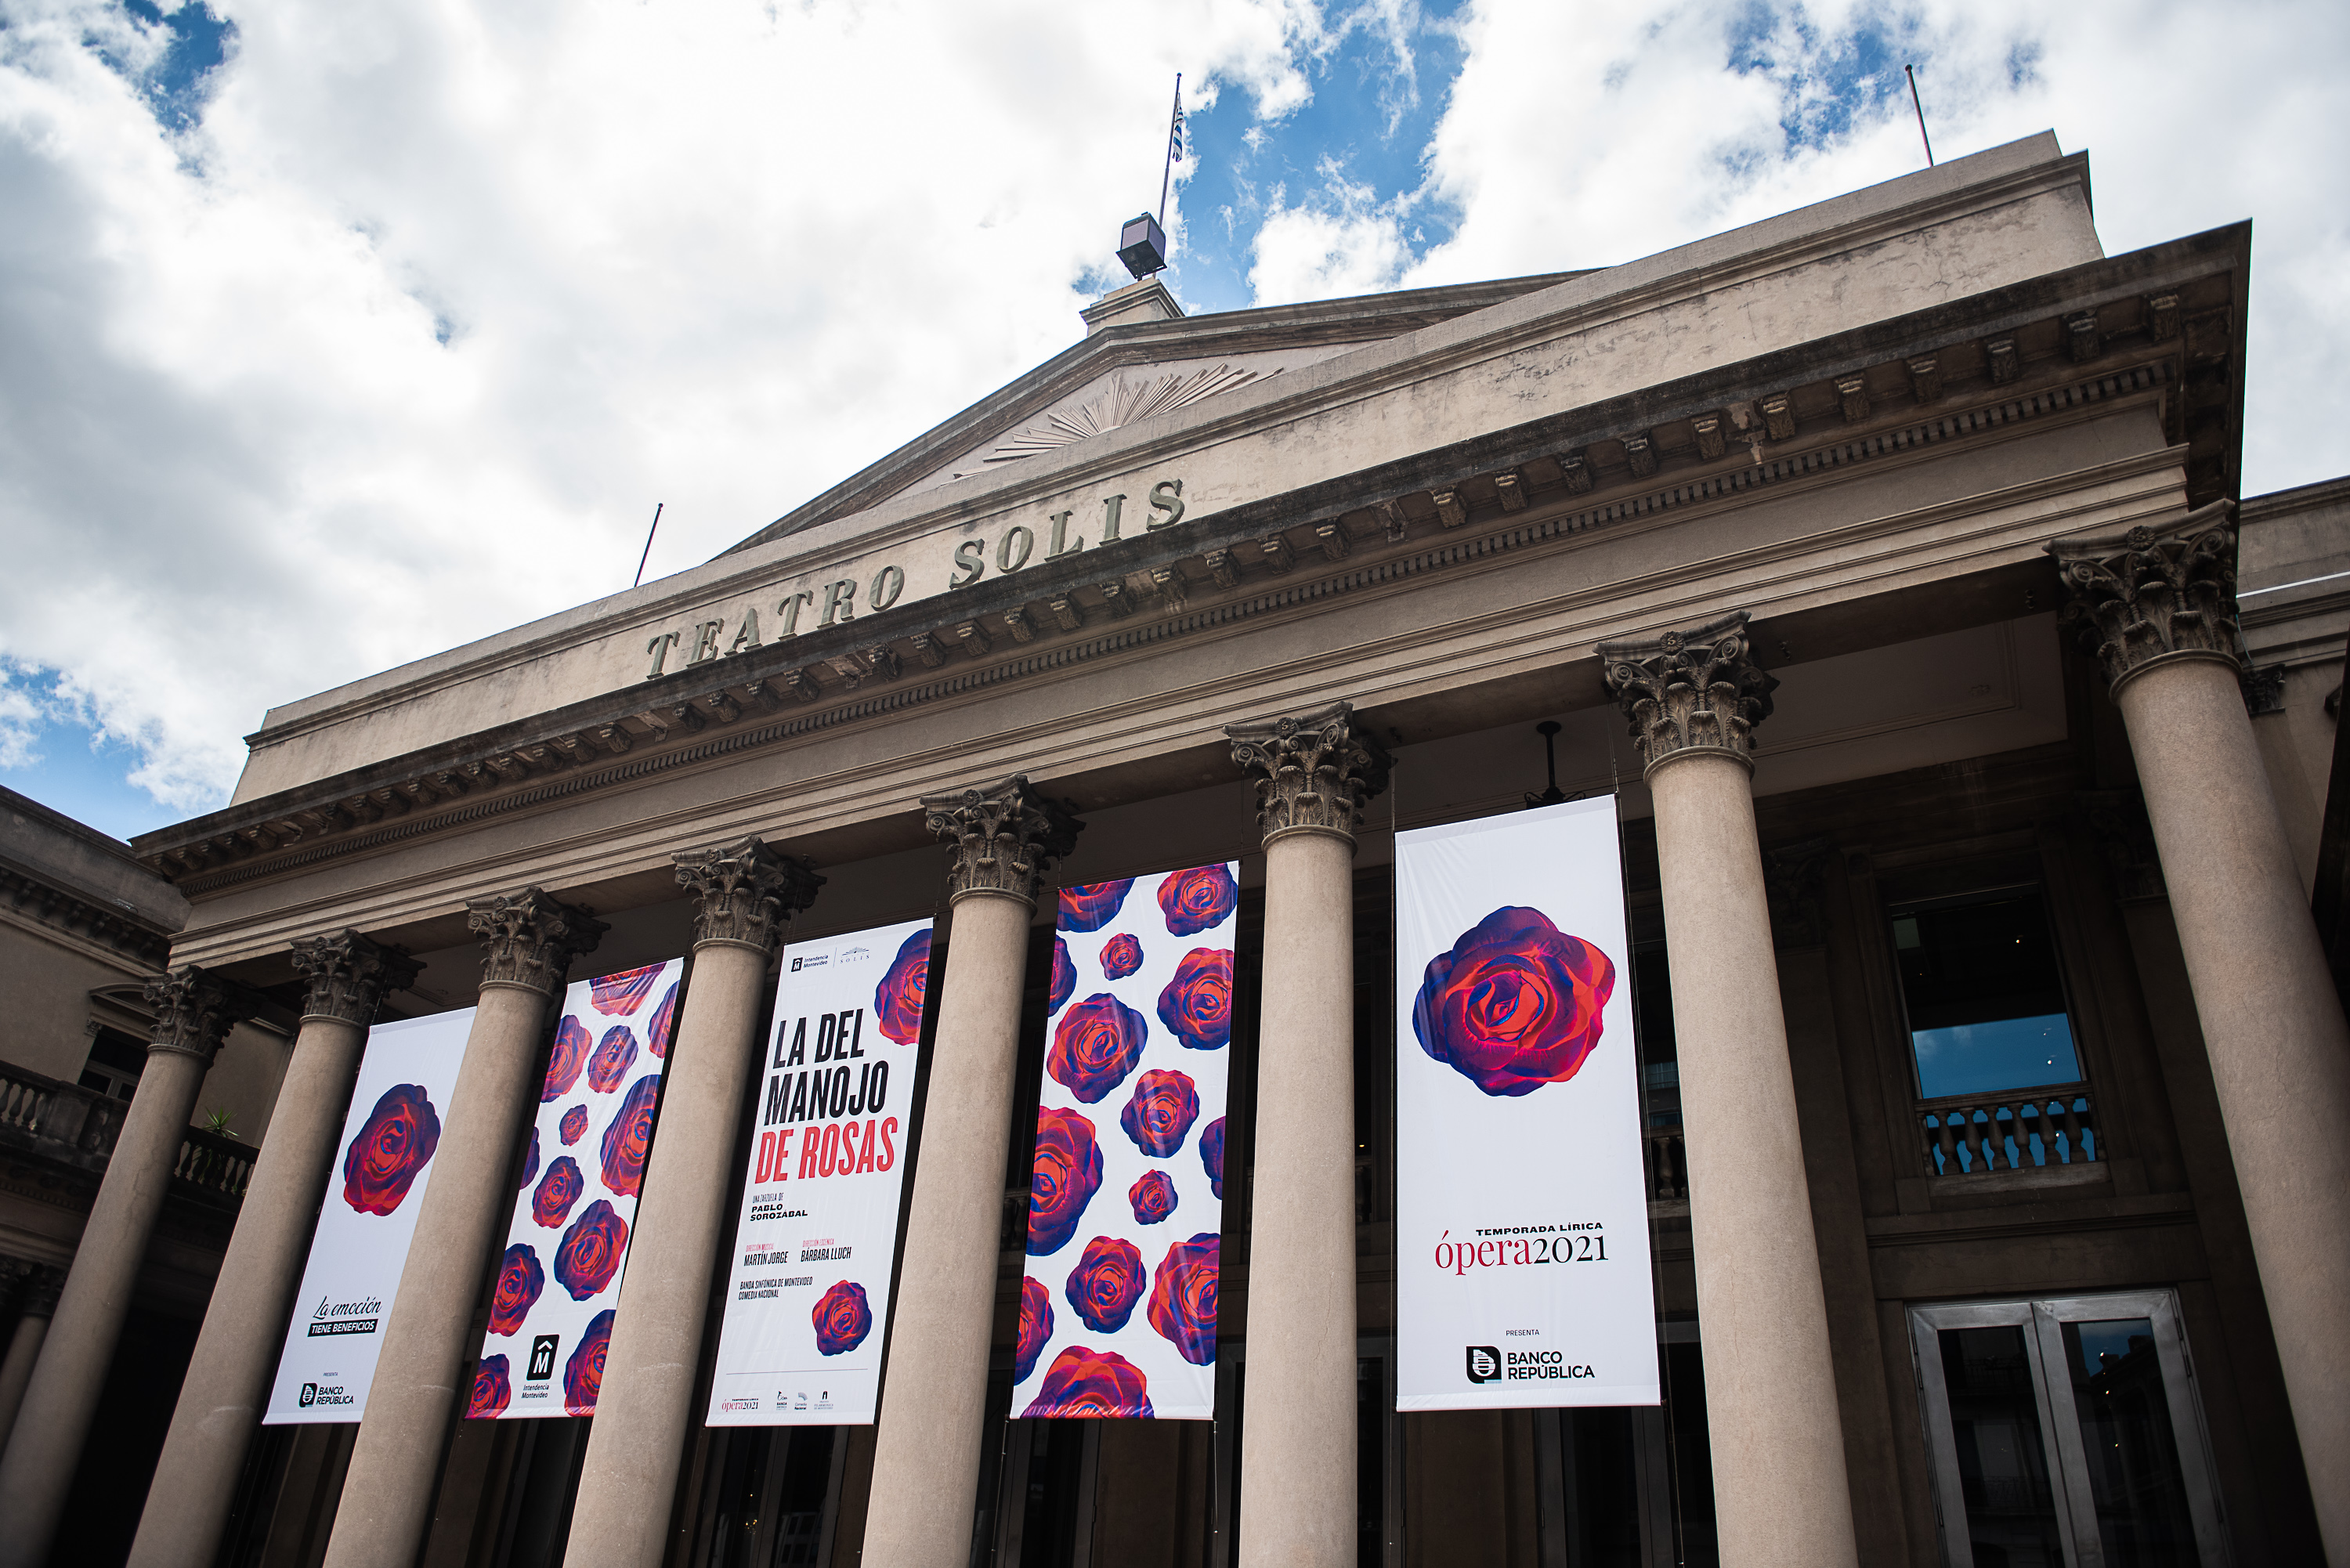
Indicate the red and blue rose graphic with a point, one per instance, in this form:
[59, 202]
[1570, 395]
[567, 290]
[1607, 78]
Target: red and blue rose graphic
[1065, 977]
[898, 1000]
[1198, 899]
[1095, 1046]
[520, 1281]
[391, 1150]
[492, 1389]
[1197, 1006]
[568, 1055]
[591, 1251]
[1153, 1197]
[620, 995]
[1088, 1382]
[1066, 1174]
[1183, 1298]
[1211, 1155]
[573, 1127]
[529, 1161]
[583, 1375]
[1515, 1004]
[1036, 1327]
[1120, 957]
[843, 1317]
[558, 1189]
[657, 1030]
[1159, 1116]
[630, 1135]
[1089, 908]
[613, 1056]
[1106, 1283]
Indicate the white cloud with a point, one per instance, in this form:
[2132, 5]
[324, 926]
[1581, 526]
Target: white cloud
[1341, 240]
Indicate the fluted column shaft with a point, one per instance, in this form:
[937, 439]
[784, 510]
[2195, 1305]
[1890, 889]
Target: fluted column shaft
[926, 1458]
[236, 1353]
[646, 1404]
[24, 1344]
[396, 1460]
[1780, 1489]
[194, 1011]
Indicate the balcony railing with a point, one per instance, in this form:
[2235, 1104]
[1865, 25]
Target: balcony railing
[2023, 1130]
[78, 1126]
[1667, 1159]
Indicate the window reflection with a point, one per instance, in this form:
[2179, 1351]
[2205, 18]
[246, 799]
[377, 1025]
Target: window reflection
[1984, 996]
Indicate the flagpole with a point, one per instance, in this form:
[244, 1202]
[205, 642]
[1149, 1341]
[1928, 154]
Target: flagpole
[1167, 170]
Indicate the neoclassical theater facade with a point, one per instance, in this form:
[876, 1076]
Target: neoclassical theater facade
[1885, 560]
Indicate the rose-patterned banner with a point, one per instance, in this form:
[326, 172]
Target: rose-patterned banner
[1117, 1312]
[389, 1136]
[551, 1312]
[1521, 1216]
[811, 1278]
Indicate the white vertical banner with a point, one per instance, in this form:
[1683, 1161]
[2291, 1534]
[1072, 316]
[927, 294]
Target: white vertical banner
[1521, 1216]
[551, 1314]
[1118, 1311]
[814, 1251]
[399, 1103]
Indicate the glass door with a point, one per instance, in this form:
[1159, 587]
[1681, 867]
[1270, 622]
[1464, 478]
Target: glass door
[2066, 1433]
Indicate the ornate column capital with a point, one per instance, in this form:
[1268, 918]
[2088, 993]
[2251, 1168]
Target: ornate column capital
[744, 892]
[2154, 595]
[1312, 772]
[1005, 839]
[349, 974]
[1690, 693]
[194, 1010]
[528, 938]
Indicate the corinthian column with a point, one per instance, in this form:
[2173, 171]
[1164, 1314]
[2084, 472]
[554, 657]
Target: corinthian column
[228, 1377]
[2160, 610]
[1779, 1485]
[1005, 842]
[194, 1012]
[528, 941]
[1297, 1465]
[746, 894]
[39, 1296]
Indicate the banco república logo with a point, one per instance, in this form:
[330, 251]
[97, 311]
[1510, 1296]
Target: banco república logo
[1484, 1362]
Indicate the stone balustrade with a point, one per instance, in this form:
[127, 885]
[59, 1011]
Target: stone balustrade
[1968, 1134]
[65, 1122]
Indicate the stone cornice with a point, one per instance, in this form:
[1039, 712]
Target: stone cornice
[42, 903]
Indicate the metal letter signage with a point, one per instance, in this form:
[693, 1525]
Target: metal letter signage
[1521, 1216]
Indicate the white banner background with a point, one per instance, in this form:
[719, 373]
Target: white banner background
[808, 1291]
[1521, 1221]
[559, 1273]
[368, 1216]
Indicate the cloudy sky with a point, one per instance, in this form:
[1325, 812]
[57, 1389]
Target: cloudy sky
[332, 335]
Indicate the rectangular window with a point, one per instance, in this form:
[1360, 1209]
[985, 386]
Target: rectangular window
[1984, 997]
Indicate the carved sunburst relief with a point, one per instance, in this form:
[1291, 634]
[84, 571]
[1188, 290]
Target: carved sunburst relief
[1122, 403]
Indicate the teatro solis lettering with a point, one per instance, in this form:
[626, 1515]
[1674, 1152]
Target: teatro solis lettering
[820, 1092]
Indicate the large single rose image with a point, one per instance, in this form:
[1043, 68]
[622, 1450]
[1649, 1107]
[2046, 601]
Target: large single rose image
[1106, 1283]
[583, 1375]
[1515, 1004]
[573, 1127]
[1161, 1112]
[1211, 1155]
[529, 1161]
[1067, 1173]
[1089, 908]
[1095, 1046]
[630, 1136]
[1198, 899]
[391, 1150]
[1036, 1327]
[620, 995]
[520, 1280]
[558, 1189]
[1183, 1298]
[1197, 1006]
[591, 1251]
[1082, 1381]
[614, 1053]
[1065, 977]
[898, 1000]
[1153, 1197]
[658, 1027]
[843, 1317]
[1120, 957]
[572, 1044]
[492, 1389]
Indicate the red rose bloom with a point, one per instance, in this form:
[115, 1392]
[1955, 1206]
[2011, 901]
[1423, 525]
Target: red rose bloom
[898, 1000]
[529, 1161]
[591, 1251]
[1095, 1046]
[1153, 1197]
[1120, 957]
[1515, 1004]
[630, 1135]
[558, 1189]
[573, 1127]
[1106, 1283]
[583, 1375]
[1197, 1006]
[564, 1062]
[1064, 978]
[1212, 1156]
[492, 1392]
[391, 1150]
[1066, 1174]
[1084, 1382]
[520, 1280]
[843, 1317]
[1036, 1327]
[1195, 900]
[1161, 1112]
[620, 995]
[610, 1062]
[1183, 1298]
[656, 1029]
[1089, 908]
